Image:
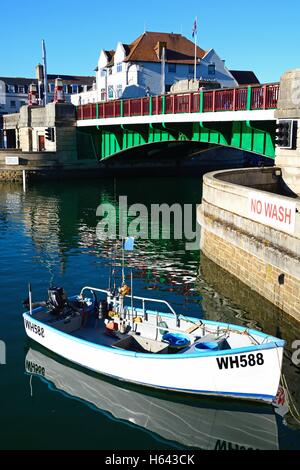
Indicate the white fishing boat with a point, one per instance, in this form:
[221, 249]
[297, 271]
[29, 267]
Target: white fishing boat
[124, 337]
[203, 423]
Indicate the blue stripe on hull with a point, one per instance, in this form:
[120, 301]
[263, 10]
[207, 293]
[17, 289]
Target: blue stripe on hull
[198, 354]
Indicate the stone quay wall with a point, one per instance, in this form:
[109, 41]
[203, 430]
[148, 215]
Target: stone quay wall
[264, 258]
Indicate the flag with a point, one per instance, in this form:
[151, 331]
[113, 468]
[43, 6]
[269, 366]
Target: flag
[128, 244]
[195, 27]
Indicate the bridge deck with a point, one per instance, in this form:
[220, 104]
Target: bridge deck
[241, 118]
[231, 105]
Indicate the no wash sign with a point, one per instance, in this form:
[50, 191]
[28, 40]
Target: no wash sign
[277, 213]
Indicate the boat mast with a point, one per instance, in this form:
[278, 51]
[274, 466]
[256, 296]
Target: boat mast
[131, 288]
[30, 298]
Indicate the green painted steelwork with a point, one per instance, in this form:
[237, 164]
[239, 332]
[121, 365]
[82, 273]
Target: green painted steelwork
[201, 105]
[251, 136]
[163, 104]
[249, 92]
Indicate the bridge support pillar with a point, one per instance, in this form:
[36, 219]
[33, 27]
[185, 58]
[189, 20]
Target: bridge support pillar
[289, 108]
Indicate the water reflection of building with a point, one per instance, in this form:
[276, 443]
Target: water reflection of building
[39, 217]
[205, 424]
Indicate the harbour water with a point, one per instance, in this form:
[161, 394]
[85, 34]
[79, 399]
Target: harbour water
[48, 236]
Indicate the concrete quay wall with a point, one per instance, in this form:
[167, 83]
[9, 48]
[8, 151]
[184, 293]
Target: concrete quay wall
[263, 257]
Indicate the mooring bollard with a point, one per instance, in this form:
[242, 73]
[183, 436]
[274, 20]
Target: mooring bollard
[2, 353]
[24, 181]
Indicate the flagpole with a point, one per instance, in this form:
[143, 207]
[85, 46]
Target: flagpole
[195, 65]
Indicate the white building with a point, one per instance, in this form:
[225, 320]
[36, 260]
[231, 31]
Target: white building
[14, 90]
[135, 70]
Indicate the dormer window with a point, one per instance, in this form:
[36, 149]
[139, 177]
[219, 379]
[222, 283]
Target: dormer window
[212, 69]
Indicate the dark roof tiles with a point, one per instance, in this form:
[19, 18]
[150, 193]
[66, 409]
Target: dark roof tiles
[179, 48]
[245, 77]
[144, 49]
[67, 79]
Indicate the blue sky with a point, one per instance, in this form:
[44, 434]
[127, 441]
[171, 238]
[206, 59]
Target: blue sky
[262, 35]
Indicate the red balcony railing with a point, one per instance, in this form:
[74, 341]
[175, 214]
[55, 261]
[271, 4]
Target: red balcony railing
[240, 99]
[234, 99]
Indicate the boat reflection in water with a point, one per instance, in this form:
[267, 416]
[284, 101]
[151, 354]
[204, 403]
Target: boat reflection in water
[205, 424]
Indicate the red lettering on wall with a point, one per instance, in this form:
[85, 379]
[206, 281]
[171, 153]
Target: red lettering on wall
[256, 206]
[288, 216]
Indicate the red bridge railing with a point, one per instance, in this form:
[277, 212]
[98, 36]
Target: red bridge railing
[257, 97]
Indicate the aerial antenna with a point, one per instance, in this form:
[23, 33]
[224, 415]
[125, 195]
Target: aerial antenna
[45, 73]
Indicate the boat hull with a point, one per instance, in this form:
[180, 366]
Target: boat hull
[206, 424]
[250, 374]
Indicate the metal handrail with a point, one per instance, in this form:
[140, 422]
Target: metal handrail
[143, 299]
[96, 289]
[214, 92]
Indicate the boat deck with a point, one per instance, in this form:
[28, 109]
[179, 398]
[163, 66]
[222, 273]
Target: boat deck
[95, 332]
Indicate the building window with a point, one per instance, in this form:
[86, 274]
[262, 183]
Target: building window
[172, 68]
[13, 104]
[11, 89]
[119, 67]
[74, 88]
[51, 87]
[102, 94]
[66, 88]
[212, 69]
[119, 91]
[21, 89]
[110, 92]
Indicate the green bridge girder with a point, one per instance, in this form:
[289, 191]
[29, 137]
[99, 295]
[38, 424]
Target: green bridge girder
[251, 136]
